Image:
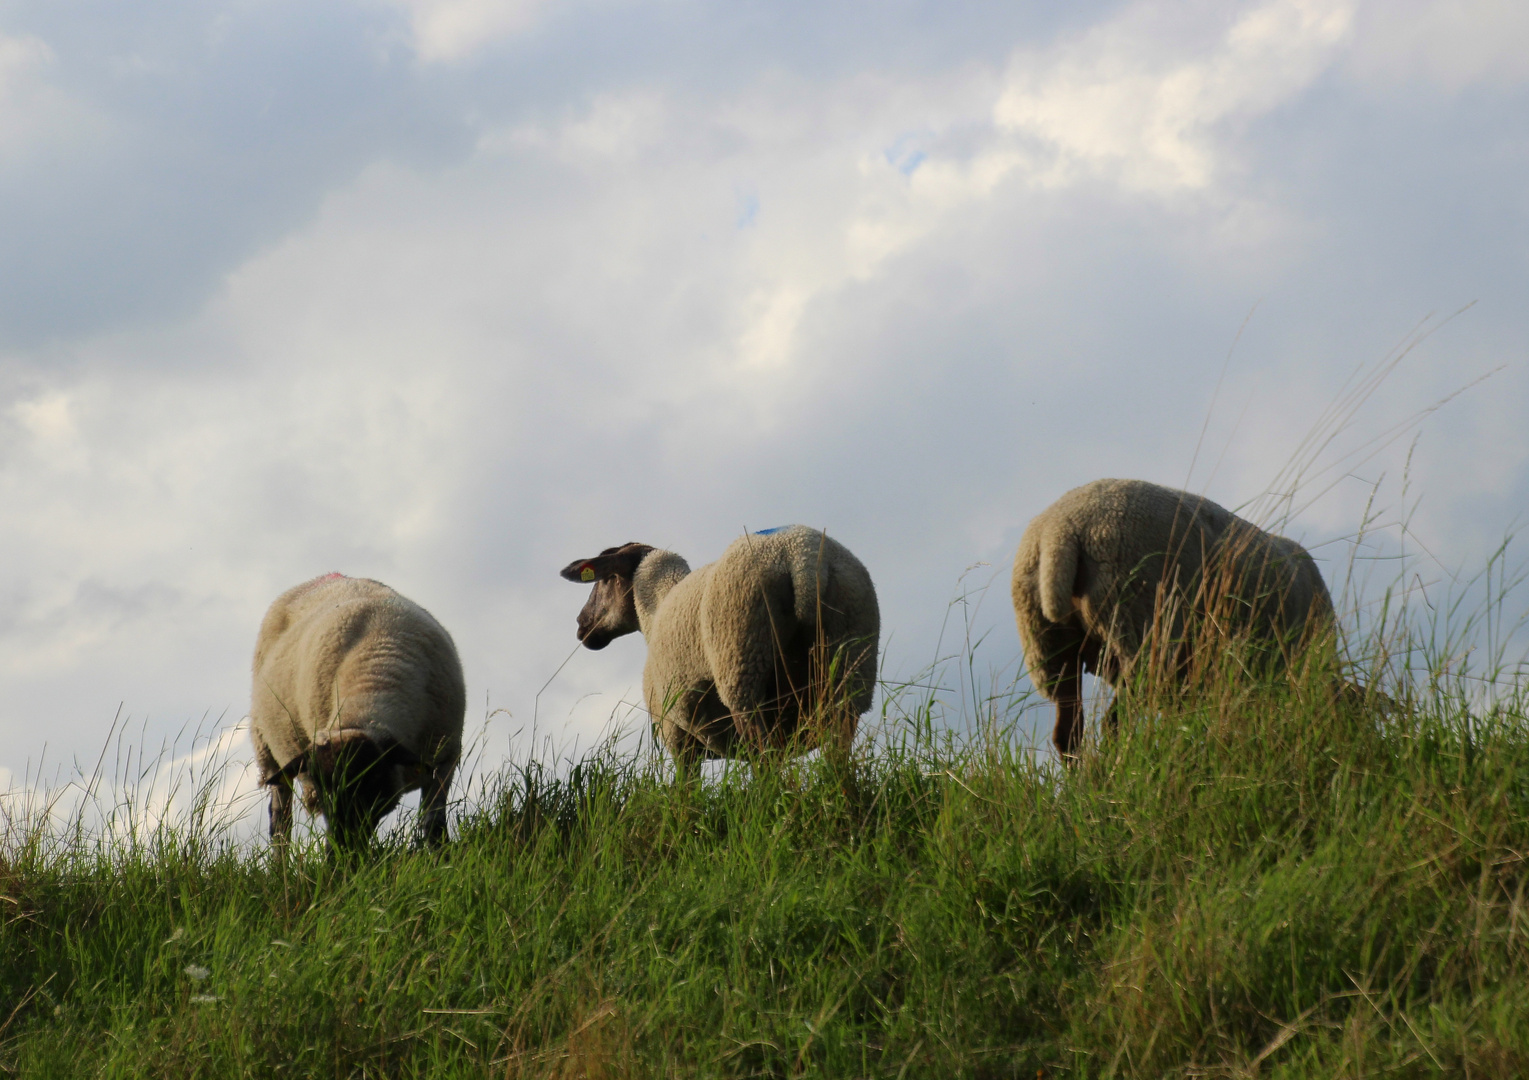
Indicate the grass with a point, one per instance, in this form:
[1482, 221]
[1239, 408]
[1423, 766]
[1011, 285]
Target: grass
[1258, 880]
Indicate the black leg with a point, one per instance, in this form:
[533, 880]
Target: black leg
[1068, 734]
[281, 810]
[432, 809]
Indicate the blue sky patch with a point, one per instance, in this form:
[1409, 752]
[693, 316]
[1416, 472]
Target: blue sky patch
[903, 155]
[748, 210]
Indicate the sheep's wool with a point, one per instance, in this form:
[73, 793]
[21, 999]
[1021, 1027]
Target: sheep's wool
[1093, 568]
[339, 653]
[732, 643]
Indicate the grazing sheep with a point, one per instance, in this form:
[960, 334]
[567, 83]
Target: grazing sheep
[1118, 566]
[740, 650]
[359, 692]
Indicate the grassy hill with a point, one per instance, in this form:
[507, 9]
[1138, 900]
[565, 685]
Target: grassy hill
[1259, 880]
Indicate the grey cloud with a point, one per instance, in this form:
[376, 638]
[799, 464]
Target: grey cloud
[214, 129]
[721, 48]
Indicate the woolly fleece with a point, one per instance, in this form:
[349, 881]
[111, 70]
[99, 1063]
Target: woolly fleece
[1090, 569]
[731, 644]
[340, 654]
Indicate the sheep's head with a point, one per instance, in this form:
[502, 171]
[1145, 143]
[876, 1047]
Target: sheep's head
[354, 777]
[611, 610]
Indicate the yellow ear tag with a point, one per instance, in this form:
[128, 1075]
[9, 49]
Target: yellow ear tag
[587, 574]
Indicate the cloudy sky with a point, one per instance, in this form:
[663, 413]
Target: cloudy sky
[450, 292]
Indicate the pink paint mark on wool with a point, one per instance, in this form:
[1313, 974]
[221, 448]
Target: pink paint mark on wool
[334, 575]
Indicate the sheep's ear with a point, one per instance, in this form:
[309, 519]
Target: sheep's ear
[612, 562]
[290, 770]
[581, 570]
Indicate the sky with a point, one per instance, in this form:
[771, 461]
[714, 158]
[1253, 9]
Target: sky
[451, 292]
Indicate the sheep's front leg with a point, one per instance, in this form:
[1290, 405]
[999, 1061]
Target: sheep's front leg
[279, 780]
[1068, 733]
[692, 722]
[432, 808]
[687, 750]
[281, 809]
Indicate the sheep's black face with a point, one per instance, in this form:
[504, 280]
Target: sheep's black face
[611, 610]
[609, 613]
[357, 784]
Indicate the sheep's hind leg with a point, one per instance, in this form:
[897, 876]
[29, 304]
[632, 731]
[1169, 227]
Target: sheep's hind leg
[281, 810]
[432, 809]
[755, 658]
[1068, 733]
[1110, 674]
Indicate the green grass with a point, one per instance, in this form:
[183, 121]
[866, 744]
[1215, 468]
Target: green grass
[1257, 882]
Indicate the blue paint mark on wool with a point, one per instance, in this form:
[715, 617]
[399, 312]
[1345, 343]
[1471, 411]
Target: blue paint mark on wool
[772, 532]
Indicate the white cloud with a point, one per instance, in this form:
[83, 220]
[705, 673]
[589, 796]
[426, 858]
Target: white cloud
[48, 422]
[447, 30]
[1145, 100]
[1148, 101]
[20, 56]
[31, 109]
[130, 790]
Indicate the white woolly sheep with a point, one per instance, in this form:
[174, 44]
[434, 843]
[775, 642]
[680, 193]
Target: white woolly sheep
[741, 650]
[359, 692]
[1117, 566]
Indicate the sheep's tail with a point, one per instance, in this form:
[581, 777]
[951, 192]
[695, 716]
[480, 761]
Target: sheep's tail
[1058, 573]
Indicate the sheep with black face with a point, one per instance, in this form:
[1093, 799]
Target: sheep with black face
[782, 628]
[358, 692]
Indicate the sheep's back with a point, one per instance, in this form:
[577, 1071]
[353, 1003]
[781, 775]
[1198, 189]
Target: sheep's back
[1141, 544]
[804, 575]
[1276, 582]
[1111, 557]
[340, 653]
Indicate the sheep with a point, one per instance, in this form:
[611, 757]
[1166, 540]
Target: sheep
[1118, 567]
[359, 692]
[741, 650]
